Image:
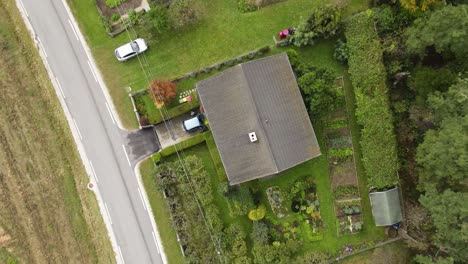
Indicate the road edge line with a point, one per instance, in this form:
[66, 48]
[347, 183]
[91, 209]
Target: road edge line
[159, 245]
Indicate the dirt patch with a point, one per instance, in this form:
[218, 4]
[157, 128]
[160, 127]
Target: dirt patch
[343, 174]
[5, 239]
[121, 9]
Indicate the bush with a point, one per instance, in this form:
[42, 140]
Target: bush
[320, 92]
[114, 3]
[240, 201]
[378, 142]
[322, 23]
[182, 13]
[115, 17]
[158, 18]
[259, 233]
[341, 53]
[257, 214]
[246, 6]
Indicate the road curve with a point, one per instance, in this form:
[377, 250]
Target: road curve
[103, 143]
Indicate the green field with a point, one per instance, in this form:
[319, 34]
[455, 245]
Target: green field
[47, 214]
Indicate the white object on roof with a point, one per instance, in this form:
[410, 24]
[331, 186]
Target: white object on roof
[253, 137]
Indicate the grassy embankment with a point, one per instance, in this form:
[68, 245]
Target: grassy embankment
[47, 213]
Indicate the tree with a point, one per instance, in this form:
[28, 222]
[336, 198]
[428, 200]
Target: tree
[445, 29]
[259, 233]
[320, 91]
[162, 92]
[450, 217]
[443, 155]
[429, 260]
[452, 103]
[322, 23]
[425, 80]
[419, 5]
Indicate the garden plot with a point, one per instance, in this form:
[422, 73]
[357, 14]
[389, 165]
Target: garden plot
[344, 183]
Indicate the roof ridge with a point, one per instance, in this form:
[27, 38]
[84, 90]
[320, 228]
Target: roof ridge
[259, 121]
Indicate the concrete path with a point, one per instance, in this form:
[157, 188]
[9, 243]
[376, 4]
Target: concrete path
[108, 159]
[174, 132]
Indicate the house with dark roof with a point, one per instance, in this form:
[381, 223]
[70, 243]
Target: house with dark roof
[258, 119]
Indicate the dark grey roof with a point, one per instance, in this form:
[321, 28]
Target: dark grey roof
[386, 207]
[260, 96]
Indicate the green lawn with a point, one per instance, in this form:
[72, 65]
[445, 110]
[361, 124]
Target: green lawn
[223, 33]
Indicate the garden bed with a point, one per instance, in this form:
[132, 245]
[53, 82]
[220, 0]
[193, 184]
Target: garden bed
[121, 9]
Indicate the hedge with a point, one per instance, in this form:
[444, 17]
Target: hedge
[215, 156]
[378, 142]
[195, 140]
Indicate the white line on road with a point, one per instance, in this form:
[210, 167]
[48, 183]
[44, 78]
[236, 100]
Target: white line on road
[79, 133]
[121, 255]
[74, 32]
[26, 12]
[42, 46]
[155, 242]
[141, 197]
[94, 172]
[110, 113]
[92, 71]
[60, 88]
[107, 210]
[126, 155]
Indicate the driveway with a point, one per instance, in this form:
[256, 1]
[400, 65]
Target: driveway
[140, 144]
[173, 131]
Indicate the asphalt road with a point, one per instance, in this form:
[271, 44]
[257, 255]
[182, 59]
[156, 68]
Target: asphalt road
[104, 143]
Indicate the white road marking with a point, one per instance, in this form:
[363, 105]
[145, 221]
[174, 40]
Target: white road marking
[60, 88]
[42, 46]
[92, 71]
[155, 242]
[107, 210]
[141, 197]
[74, 32]
[26, 12]
[110, 113]
[121, 255]
[126, 155]
[94, 172]
[79, 133]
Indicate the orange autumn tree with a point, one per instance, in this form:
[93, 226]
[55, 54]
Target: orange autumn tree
[162, 92]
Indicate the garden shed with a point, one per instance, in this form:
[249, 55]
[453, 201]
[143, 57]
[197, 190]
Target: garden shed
[386, 207]
[258, 118]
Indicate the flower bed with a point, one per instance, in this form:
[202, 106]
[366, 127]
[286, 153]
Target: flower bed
[276, 200]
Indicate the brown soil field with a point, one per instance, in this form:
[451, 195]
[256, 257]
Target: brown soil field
[47, 215]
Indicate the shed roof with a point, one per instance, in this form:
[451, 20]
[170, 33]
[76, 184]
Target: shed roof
[260, 96]
[386, 207]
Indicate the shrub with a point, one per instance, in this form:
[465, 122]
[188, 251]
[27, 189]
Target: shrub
[158, 18]
[341, 53]
[257, 214]
[105, 23]
[259, 233]
[322, 23]
[182, 13]
[320, 92]
[378, 142]
[240, 201]
[114, 3]
[115, 17]
[246, 6]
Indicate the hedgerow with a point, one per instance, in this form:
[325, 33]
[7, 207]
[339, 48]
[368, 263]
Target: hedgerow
[378, 142]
